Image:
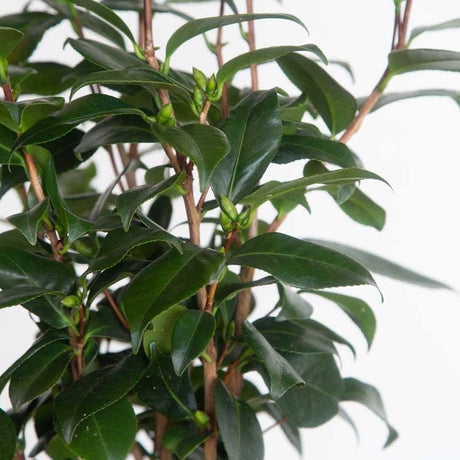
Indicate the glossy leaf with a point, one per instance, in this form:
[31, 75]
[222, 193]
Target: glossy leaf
[97, 391]
[274, 189]
[173, 395]
[129, 201]
[282, 375]
[107, 435]
[382, 266]
[104, 323]
[172, 278]
[205, 145]
[8, 437]
[192, 333]
[334, 103]
[200, 26]
[358, 310]
[238, 426]
[118, 243]
[293, 306]
[58, 450]
[299, 263]
[368, 396]
[254, 130]
[9, 39]
[317, 401]
[20, 294]
[39, 373]
[80, 110]
[49, 78]
[402, 61]
[27, 222]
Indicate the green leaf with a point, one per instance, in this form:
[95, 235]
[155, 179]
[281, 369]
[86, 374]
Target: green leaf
[18, 75]
[243, 61]
[27, 222]
[39, 373]
[254, 130]
[298, 147]
[9, 39]
[402, 61]
[48, 79]
[129, 201]
[382, 266]
[282, 375]
[189, 444]
[42, 342]
[171, 278]
[334, 103]
[299, 263]
[8, 437]
[148, 77]
[107, 435]
[389, 98]
[108, 15]
[274, 189]
[116, 130]
[238, 426]
[317, 401]
[20, 294]
[106, 56]
[293, 306]
[295, 337]
[205, 145]
[97, 391]
[368, 396]
[173, 395]
[356, 309]
[200, 26]
[452, 24]
[104, 323]
[161, 330]
[78, 111]
[118, 243]
[58, 450]
[192, 333]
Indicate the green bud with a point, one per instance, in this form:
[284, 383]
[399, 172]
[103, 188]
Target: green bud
[200, 79]
[226, 223]
[201, 418]
[165, 113]
[244, 215]
[198, 98]
[211, 86]
[83, 248]
[70, 301]
[170, 122]
[229, 208]
[230, 330]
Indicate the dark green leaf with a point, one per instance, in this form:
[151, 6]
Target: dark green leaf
[107, 435]
[78, 111]
[299, 263]
[189, 444]
[239, 427]
[317, 401]
[118, 243]
[18, 75]
[9, 39]
[254, 130]
[39, 373]
[289, 429]
[163, 391]
[20, 294]
[293, 306]
[402, 61]
[382, 266]
[358, 310]
[200, 26]
[57, 450]
[8, 437]
[49, 79]
[105, 323]
[27, 222]
[334, 103]
[282, 375]
[129, 201]
[95, 392]
[171, 278]
[161, 211]
[367, 395]
[192, 333]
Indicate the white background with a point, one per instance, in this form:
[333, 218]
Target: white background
[414, 145]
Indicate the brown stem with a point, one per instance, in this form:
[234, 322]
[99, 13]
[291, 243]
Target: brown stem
[273, 227]
[115, 167]
[223, 355]
[204, 113]
[161, 425]
[117, 311]
[404, 26]
[220, 61]
[278, 423]
[252, 45]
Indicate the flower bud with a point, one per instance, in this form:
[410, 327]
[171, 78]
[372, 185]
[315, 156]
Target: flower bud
[226, 223]
[200, 78]
[198, 98]
[165, 113]
[229, 208]
[201, 418]
[211, 86]
[70, 301]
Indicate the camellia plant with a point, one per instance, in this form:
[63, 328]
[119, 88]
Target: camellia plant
[142, 334]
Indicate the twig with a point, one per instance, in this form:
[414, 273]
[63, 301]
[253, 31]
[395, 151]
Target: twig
[117, 311]
[278, 423]
[223, 355]
[220, 61]
[273, 227]
[252, 45]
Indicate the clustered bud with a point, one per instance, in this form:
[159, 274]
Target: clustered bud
[230, 218]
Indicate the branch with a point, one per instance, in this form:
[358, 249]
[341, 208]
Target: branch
[252, 45]
[117, 311]
[220, 61]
